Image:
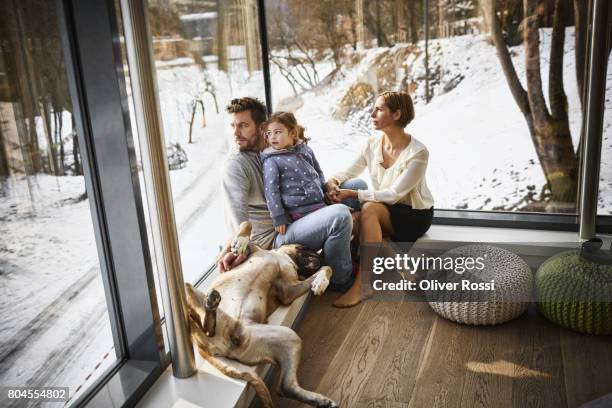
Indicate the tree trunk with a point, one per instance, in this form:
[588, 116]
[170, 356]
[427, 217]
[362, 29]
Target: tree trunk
[194, 106]
[580, 43]
[62, 155]
[4, 167]
[556, 93]
[44, 113]
[78, 170]
[414, 30]
[551, 137]
[201, 103]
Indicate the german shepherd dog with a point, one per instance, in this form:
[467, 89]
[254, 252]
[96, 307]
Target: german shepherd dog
[229, 320]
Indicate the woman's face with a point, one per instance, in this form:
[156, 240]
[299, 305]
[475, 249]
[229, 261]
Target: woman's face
[382, 117]
[279, 136]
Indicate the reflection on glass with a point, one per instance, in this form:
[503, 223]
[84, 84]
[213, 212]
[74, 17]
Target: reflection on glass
[55, 325]
[604, 204]
[206, 53]
[496, 90]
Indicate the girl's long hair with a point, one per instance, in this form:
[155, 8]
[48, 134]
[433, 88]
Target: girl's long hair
[288, 120]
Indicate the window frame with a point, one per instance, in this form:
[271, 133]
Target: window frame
[91, 47]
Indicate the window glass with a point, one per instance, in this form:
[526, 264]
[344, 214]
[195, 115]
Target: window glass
[467, 67]
[604, 205]
[206, 53]
[55, 324]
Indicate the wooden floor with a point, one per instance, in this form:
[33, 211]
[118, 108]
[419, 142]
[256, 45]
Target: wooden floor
[383, 354]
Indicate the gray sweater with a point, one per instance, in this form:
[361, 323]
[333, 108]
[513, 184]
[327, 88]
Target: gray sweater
[243, 196]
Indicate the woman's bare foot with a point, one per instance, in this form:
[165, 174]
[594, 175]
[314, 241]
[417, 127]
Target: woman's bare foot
[355, 295]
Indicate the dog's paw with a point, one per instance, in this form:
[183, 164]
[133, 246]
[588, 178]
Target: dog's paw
[320, 283]
[240, 246]
[326, 403]
[212, 300]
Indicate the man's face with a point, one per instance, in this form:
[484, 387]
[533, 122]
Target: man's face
[246, 133]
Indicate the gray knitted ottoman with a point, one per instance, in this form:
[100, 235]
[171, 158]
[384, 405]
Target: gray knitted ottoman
[513, 287]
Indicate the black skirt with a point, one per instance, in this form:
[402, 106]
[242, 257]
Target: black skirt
[409, 224]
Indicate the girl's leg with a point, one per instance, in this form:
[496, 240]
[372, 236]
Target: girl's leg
[375, 223]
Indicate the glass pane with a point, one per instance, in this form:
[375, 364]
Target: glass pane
[141, 178]
[605, 178]
[330, 59]
[206, 53]
[55, 323]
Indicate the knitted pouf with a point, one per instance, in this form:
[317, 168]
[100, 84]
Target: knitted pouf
[513, 287]
[576, 293]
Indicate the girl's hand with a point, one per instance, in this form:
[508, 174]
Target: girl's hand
[281, 229]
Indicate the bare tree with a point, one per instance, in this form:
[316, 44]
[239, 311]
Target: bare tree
[549, 129]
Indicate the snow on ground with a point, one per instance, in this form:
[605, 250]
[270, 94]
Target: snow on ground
[481, 157]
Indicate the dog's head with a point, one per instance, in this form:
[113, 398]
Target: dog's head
[307, 260]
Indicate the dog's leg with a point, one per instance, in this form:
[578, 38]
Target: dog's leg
[253, 379]
[284, 346]
[210, 315]
[290, 288]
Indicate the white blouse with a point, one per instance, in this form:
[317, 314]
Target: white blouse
[403, 182]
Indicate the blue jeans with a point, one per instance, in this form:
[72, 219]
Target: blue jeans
[328, 229]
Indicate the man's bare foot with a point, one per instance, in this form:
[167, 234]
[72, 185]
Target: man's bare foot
[355, 295]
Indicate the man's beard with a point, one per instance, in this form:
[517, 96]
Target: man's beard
[251, 146]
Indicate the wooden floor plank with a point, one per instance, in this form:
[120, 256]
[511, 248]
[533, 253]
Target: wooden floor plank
[396, 368]
[354, 363]
[587, 366]
[323, 330]
[442, 374]
[538, 377]
[488, 371]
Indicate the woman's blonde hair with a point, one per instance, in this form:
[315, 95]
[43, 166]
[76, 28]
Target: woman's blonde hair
[288, 120]
[400, 101]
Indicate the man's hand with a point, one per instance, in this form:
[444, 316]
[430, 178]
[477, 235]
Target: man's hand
[281, 229]
[229, 261]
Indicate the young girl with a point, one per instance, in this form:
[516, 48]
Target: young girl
[293, 179]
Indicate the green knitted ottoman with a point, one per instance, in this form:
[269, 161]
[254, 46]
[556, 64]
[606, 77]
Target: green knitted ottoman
[576, 293]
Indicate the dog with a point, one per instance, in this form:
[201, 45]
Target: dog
[229, 320]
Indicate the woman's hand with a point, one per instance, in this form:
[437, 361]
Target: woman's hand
[343, 193]
[281, 229]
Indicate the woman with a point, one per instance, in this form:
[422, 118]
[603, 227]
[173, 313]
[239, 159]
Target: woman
[399, 206]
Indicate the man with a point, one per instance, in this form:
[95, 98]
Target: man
[243, 195]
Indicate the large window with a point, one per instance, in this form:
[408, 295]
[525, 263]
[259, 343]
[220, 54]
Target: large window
[78, 305]
[496, 91]
[56, 329]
